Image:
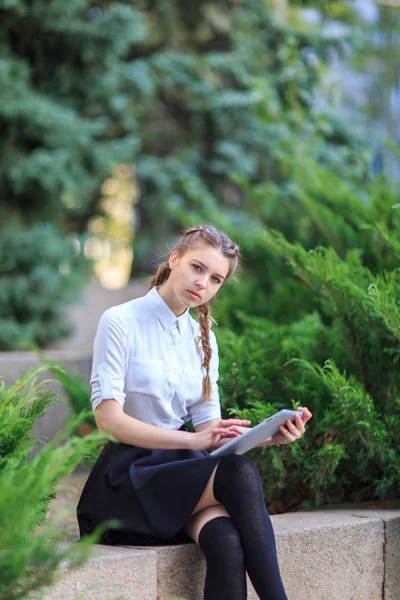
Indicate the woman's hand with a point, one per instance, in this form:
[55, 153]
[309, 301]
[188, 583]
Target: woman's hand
[290, 432]
[221, 429]
[232, 423]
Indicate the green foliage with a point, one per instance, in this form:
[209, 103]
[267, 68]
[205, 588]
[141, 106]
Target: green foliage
[315, 207]
[76, 388]
[252, 362]
[384, 300]
[204, 98]
[41, 270]
[235, 94]
[77, 391]
[64, 123]
[30, 547]
[20, 407]
[62, 108]
[341, 361]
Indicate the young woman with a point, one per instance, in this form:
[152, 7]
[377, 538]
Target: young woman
[154, 369]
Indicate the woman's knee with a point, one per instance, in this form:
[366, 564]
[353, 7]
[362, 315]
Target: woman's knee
[237, 463]
[235, 471]
[220, 541]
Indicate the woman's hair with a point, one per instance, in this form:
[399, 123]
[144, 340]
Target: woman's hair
[190, 238]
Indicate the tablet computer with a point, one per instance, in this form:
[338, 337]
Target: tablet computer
[257, 434]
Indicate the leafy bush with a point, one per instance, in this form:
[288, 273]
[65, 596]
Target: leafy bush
[77, 390]
[341, 361]
[30, 546]
[19, 409]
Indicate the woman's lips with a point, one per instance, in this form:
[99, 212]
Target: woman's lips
[194, 295]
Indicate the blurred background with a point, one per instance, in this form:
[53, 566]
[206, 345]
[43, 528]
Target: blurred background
[275, 120]
[121, 122]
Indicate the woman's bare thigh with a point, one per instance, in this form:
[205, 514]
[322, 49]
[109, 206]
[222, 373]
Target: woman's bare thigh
[207, 498]
[197, 521]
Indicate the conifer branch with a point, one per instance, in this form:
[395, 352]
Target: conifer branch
[360, 435]
[353, 343]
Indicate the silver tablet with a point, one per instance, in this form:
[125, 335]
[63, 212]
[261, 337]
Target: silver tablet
[257, 434]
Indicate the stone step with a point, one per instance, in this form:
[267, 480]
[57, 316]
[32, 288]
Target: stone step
[324, 555]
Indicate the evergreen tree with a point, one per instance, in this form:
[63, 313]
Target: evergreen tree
[62, 106]
[202, 97]
[41, 270]
[220, 87]
[64, 124]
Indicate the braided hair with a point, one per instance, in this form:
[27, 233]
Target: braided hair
[191, 237]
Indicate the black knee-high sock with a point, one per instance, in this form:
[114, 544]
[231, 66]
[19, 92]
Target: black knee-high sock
[237, 486]
[226, 574]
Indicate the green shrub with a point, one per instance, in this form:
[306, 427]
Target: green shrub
[341, 362]
[30, 547]
[77, 390]
[20, 407]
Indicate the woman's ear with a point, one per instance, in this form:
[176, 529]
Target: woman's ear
[172, 261]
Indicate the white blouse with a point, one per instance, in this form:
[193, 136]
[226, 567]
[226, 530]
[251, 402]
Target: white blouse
[149, 360]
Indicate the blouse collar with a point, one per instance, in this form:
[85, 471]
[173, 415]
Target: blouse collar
[164, 314]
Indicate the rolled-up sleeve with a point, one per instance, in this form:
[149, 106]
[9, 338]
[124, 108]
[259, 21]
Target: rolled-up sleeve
[110, 351]
[202, 411]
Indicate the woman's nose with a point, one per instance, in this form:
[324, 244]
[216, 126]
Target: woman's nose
[201, 283]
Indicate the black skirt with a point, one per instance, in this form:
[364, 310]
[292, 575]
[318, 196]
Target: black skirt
[150, 492]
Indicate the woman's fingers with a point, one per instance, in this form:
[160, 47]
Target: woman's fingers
[288, 436]
[225, 432]
[230, 422]
[299, 424]
[293, 430]
[236, 428]
[306, 413]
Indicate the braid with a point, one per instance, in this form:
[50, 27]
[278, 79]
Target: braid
[204, 316]
[161, 275]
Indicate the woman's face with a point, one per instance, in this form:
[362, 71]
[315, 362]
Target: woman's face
[197, 275]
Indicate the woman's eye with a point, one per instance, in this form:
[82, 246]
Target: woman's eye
[197, 267]
[217, 280]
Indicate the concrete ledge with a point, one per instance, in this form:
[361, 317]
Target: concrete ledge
[331, 556]
[392, 558]
[111, 574]
[391, 548]
[324, 555]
